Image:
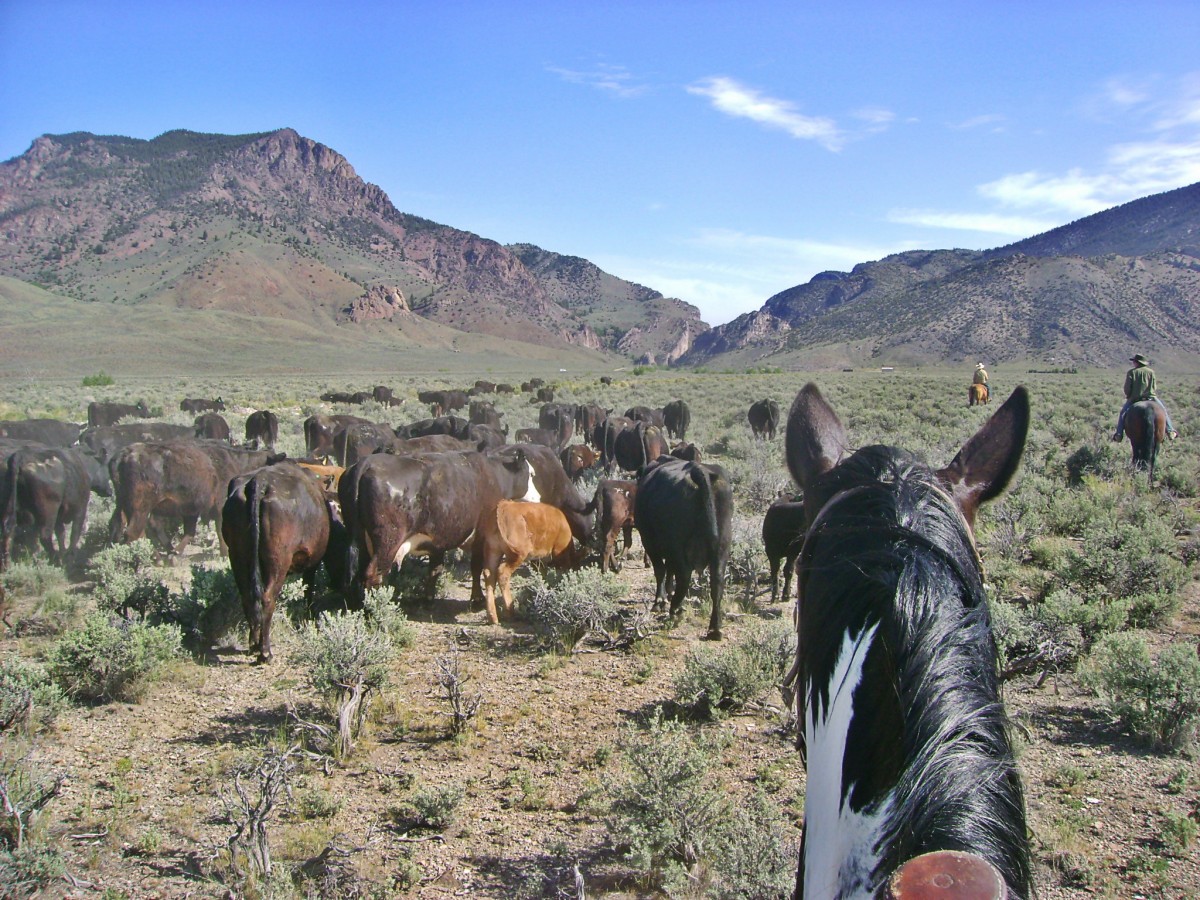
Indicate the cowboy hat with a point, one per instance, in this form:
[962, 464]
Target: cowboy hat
[979, 365]
[1139, 359]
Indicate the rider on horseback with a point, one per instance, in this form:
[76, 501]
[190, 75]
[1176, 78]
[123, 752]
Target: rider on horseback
[981, 377]
[1140, 385]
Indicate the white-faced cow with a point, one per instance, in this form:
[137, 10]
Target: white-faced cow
[396, 505]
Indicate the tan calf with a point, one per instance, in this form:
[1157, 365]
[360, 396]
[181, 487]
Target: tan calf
[519, 531]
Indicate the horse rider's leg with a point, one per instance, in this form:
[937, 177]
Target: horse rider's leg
[1120, 432]
[1171, 432]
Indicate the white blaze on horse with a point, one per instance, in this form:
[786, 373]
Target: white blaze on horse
[897, 678]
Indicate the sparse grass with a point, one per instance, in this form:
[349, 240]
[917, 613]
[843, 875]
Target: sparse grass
[1057, 554]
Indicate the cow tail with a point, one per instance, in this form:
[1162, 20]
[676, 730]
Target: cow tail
[8, 515]
[701, 480]
[254, 508]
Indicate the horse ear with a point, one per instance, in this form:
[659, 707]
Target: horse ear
[815, 440]
[987, 462]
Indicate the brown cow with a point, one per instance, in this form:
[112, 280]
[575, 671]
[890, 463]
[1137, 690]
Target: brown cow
[101, 413]
[614, 503]
[50, 432]
[319, 432]
[169, 479]
[262, 429]
[274, 521]
[47, 488]
[578, 459]
[517, 531]
[212, 426]
[196, 405]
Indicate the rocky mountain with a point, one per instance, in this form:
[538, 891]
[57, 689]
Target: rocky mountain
[277, 226]
[1086, 293]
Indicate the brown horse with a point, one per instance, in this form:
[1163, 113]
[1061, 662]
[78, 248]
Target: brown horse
[1146, 428]
[977, 394]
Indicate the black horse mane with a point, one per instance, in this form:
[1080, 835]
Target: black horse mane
[891, 548]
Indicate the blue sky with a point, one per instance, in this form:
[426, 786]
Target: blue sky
[718, 152]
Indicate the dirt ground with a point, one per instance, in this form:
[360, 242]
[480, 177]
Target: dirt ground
[141, 814]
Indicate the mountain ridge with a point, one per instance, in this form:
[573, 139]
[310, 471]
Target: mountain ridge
[1086, 293]
[276, 225]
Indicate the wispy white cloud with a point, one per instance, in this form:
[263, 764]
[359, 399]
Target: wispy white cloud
[988, 223]
[615, 80]
[727, 272]
[1129, 171]
[737, 100]
[992, 121]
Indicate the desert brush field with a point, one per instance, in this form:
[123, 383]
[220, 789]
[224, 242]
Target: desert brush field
[589, 745]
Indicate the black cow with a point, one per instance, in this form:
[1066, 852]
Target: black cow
[196, 405]
[541, 436]
[48, 432]
[545, 395]
[676, 419]
[211, 426]
[319, 432]
[47, 490]
[505, 389]
[764, 418]
[683, 512]
[687, 451]
[485, 437]
[637, 447]
[262, 429]
[587, 417]
[337, 397]
[559, 418]
[606, 379]
[360, 439]
[783, 535]
[645, 414]
[104, 442]
[442, 402]
[454, 426]
[606, 440]
[382, 394]
[275, 520]
[482, 387]
[395, 505]
[482, 412]
[102, 413]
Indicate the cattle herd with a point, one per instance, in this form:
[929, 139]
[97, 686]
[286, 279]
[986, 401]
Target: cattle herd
[367, 494]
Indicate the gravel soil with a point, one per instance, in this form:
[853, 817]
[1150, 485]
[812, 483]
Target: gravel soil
[141, 813]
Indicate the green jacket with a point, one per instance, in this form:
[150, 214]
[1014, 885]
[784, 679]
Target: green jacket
[1139, 384]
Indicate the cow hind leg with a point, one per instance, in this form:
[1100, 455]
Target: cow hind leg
[681, 581]
[716, 581]
[660, 575]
